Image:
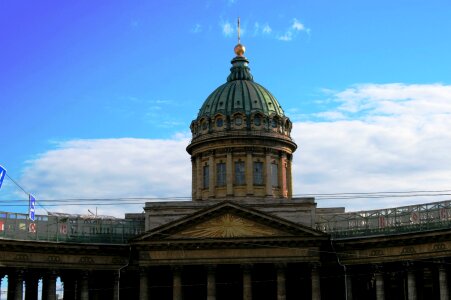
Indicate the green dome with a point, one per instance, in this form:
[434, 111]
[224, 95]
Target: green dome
[240, 94]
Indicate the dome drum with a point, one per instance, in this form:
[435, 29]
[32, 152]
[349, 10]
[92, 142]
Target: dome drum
[239, 121]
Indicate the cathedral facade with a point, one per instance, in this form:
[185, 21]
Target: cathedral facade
[242, 236]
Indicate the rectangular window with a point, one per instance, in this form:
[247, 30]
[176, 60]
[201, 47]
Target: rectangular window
[221, 174]
[239, 173]
[206, 177]
[274, 175]
[258, 173]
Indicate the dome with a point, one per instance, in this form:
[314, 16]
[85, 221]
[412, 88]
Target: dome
[241, 146]
[240, 94]
[240, 104]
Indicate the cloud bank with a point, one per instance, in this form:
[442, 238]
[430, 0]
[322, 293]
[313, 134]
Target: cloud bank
[377, 137]
[265, 30]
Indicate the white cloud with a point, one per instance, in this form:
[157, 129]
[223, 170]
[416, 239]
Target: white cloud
[288, 36]
[292, 31]
[266, 29]
[196, 28]
[297, 25]
[387, 137]
[380, 137]
[115, 168]
[259, 29]
[227, 29]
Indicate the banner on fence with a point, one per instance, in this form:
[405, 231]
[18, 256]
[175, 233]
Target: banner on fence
[2, 175]
[32, 207]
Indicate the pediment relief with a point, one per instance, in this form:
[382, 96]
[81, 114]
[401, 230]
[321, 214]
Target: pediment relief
[228, 220]
[229, 226]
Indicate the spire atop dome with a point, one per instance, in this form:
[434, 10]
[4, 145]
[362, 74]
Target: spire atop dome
[240, 69]
[239, 48]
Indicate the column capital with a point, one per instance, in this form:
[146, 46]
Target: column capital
[246, 267]
[176, 268]
[377, 268]
[281, 266]
[315, 266]
[211, 268]
[409, 265]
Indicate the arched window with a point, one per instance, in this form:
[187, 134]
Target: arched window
[221, 174]
[258, 173]
[274, 122]
[274, 175]
[257, 120]
[239, 173]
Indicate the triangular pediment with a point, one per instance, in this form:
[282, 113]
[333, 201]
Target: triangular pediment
[228, 220]
[229, 225]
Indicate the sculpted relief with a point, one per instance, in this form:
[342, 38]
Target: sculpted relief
[229, 226]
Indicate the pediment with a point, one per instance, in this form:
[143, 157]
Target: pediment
[228, 220]
[229, 225]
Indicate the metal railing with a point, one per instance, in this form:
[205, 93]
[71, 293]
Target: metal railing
[389, 221]
[71, 229]
[78, 229]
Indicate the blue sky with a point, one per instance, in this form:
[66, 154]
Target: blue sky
[92, 92]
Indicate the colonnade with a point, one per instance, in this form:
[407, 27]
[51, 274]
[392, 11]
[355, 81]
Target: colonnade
[180, 275]
[249, 156]
[406, 280]
[24, 284]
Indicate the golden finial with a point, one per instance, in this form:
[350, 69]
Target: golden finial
[239, 49]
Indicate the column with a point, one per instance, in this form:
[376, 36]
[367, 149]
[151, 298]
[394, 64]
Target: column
[411, 285]
[212, 176]
[116, 285]
[249, 172]
[348, 287]
[316, 287]
[143, 284]
[281, 285]
[229, 173]
[84, 286]
[177, 283]
[211, 282]
[268, 174]
[193, 177]
[199, 177]
[289, 178]
[31, 286]
[247, 282]
[49, 286]
[11, 285]
[18, 288]
[380, 289]
[70, 286]
[443, 283]
[283, 175]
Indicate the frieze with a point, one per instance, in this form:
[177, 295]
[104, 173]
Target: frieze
[377, 252]
[439, 247]
[54, 259]
[408, 250]
[21, 257]
[118, 260]
[86, 260]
